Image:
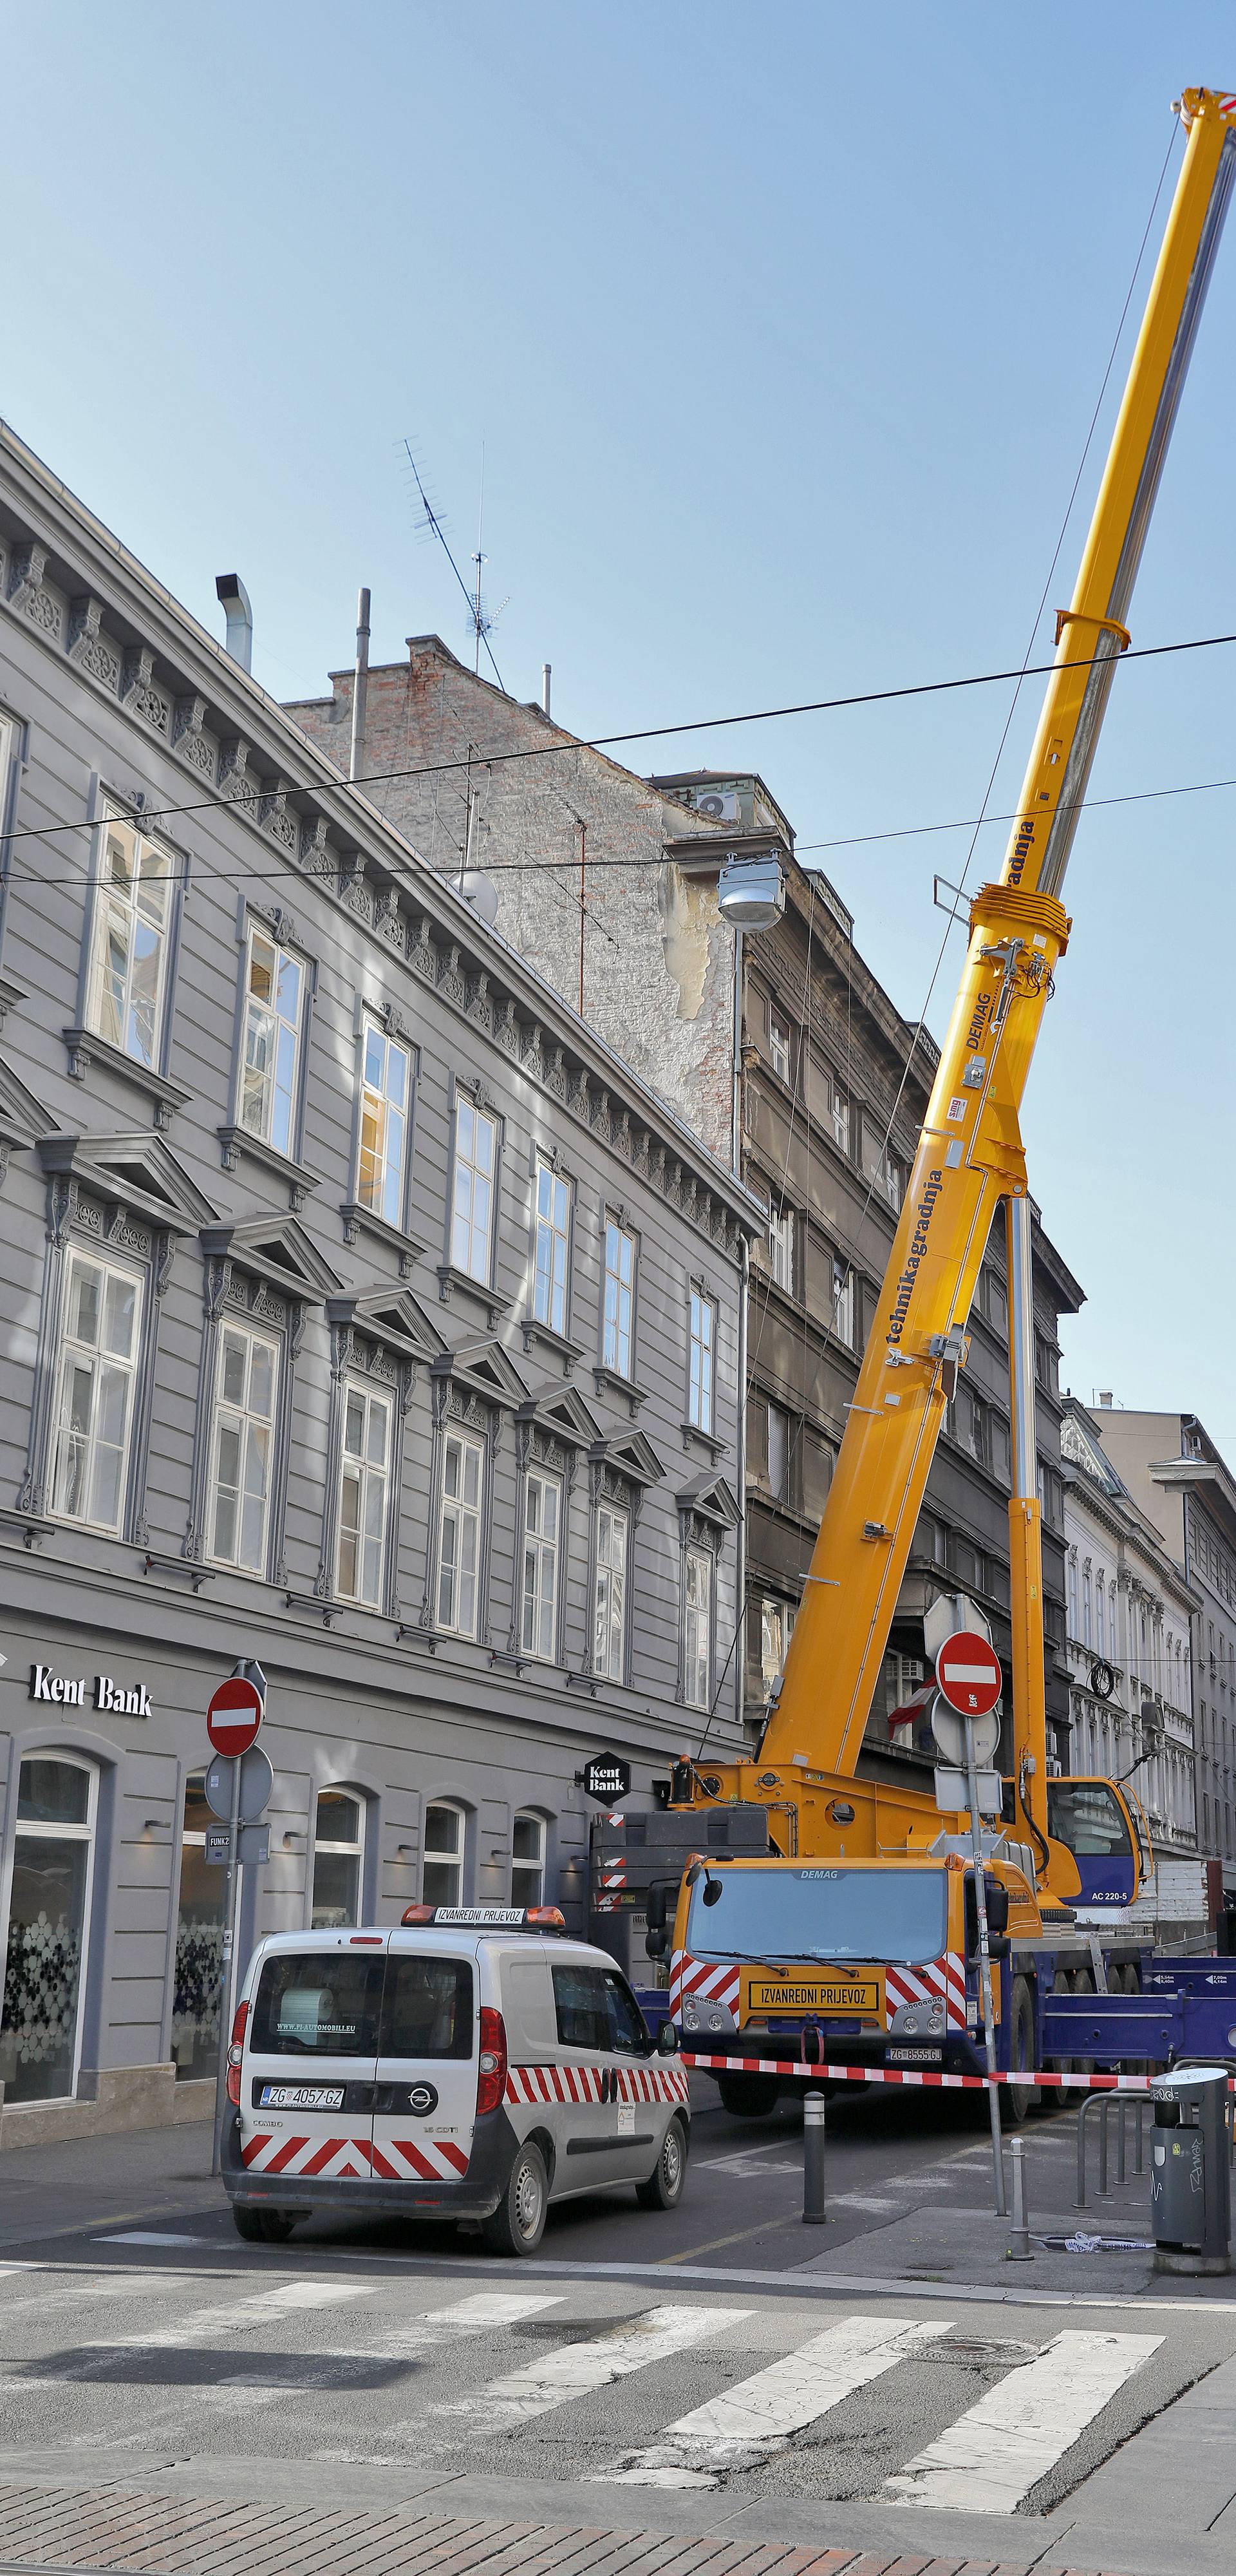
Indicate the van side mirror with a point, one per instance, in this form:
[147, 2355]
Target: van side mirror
[667, 2040]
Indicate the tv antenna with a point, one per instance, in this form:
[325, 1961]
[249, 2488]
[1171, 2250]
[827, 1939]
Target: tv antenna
[480, 619]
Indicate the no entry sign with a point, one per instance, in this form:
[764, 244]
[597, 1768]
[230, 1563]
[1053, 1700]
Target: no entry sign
[968, 1673]
[234, 1716]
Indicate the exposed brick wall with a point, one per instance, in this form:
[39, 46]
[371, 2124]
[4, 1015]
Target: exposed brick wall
[658, 961]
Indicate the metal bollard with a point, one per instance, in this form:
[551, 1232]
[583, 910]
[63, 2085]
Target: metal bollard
[814, 2212]
[1019, 2231]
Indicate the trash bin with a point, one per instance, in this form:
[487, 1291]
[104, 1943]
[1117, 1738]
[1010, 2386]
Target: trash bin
[1190, 2178]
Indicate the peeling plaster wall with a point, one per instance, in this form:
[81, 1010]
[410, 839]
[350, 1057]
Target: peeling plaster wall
[658, 961]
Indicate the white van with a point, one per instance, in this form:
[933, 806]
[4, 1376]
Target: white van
[471, 2063]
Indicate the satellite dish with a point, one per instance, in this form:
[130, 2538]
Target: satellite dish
[481, 892]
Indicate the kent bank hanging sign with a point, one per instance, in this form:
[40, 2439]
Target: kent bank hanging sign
[125, 1699]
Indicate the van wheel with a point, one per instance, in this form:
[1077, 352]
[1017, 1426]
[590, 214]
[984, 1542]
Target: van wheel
[663, 2189]
[247, 2222]
[518, 2222]
[1021, 2098]
[277, 2225]
[749, 2097]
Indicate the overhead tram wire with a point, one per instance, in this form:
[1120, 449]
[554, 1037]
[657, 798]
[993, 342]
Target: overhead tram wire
[645, 733]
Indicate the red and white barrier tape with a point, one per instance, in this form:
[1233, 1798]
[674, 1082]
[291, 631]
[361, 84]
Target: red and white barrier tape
[919, 2075]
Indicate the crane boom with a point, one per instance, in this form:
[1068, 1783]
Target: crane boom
[970, 1151]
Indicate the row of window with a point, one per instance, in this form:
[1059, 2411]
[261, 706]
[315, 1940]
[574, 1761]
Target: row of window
[1155, 1653]
[855, 1131]
[93, 1425]
[127, 1000]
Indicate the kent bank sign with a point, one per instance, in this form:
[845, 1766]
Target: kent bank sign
[130, 1701]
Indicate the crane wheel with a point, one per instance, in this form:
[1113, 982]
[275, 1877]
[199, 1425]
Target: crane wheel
[1020, 2099]
[748, 2097]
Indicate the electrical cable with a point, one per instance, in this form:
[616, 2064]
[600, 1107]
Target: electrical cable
[653, 733]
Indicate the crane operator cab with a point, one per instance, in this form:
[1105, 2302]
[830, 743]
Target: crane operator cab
[1099, 1842]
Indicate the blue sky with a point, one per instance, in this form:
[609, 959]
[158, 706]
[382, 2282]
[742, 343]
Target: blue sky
[781, 329]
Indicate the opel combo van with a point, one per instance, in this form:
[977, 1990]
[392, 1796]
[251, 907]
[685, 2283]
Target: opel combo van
[470, 2063]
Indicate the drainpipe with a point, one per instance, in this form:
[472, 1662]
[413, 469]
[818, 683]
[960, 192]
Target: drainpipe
[360, 686]
[233, 597]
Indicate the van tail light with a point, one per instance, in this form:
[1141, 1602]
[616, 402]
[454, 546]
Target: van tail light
[491, 2064]
[236, 2052]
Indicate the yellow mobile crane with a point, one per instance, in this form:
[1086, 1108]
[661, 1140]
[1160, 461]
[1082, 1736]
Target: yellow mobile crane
[969, 1158]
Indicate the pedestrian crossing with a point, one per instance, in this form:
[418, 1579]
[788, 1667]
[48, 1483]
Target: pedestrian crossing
[876, 2404]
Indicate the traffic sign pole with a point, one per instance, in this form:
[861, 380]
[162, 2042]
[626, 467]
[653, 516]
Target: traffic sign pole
[225, 1701]
[989, 2016]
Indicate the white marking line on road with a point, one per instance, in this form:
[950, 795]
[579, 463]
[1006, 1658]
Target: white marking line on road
[994, 2453]
[258, 2310]
[746, 2424]
[467, 2317]
[579, 2368]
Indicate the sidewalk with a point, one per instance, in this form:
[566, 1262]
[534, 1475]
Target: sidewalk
[134, 2179]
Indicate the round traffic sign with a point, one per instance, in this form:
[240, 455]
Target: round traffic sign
[256, 1782]
[234, 1715]
[968, 1673]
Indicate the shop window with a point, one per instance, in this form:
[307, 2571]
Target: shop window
[528, 1860]
[199, 1942]
[48, 1909]
[443, 1864]
[338, 1858]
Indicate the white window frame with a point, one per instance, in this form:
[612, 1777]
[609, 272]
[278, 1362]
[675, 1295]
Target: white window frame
[843, 1300]
[53, 1832]
[74, 1353]
[698, 1575]
[841, 1120]
[388, 1120]
[552, 1195]
[779, 1487]
[367, 1477]
[541, 1574]
[247, 1420]
[455, 1859]
[327, 1843]
[610, 1592]
[618, 1299]
[278, 1080]
[701, 1360]
[120, 908]
[526, 1862]
[456, 1513]
[778, 1044]
[472, 1236]
[776, 1629]
[781, 1247]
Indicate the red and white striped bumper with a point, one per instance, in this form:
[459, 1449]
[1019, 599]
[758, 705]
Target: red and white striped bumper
[354, 2159]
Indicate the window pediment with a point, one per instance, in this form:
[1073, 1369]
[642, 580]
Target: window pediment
[710, 1499]
[392, 1316]
[562, 1413]
[632, 1455]
[274, 1247]
[137, 1171]
[23, 1119]
[486, 1369]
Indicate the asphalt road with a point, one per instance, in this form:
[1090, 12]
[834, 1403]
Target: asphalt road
[721, 2368]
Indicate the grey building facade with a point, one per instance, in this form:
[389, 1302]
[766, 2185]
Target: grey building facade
[363, 1314]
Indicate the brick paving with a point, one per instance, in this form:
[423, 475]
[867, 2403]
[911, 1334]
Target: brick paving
[103, 2531]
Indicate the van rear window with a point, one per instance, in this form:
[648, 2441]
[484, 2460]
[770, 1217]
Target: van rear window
[427, 2008]
[318, 2003]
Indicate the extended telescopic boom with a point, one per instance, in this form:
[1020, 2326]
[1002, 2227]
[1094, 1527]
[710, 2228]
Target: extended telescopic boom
[970, 1152]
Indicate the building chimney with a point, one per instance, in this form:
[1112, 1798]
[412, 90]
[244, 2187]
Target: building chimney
[360, 685]
[546, 674]
[230, 591]
[1105, 1398]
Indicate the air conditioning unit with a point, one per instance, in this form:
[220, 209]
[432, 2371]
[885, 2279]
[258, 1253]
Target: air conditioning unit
[719, 803]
